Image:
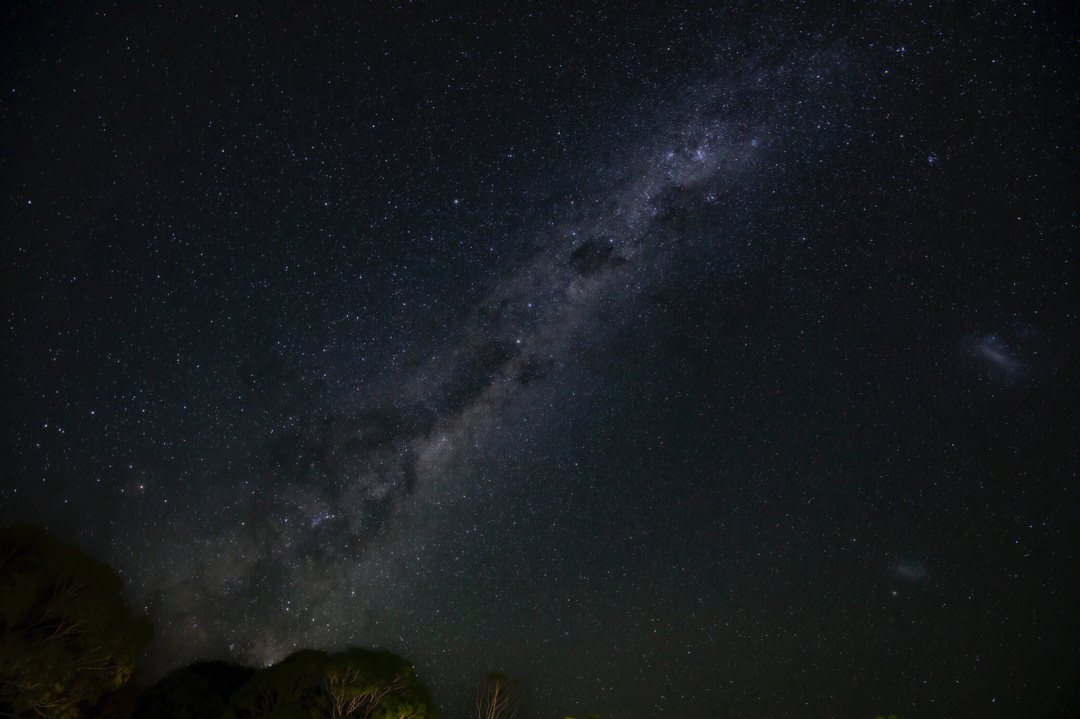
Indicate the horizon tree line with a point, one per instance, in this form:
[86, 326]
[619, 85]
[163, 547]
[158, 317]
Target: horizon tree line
[69, 645]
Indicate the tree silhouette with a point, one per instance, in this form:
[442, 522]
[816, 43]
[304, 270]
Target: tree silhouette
[200, 691]
[67, 640]
[497, 697]
[354, 683]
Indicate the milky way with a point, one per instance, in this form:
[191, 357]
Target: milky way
[674, 364]
[313, 547]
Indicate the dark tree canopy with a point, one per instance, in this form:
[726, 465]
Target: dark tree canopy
[354, 683]
[497, 697]
[68, 643]
[201, 691]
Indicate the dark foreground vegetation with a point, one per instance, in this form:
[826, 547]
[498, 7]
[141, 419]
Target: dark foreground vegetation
[69, 644]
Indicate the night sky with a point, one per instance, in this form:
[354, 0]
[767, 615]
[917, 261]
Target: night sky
[677, 363]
